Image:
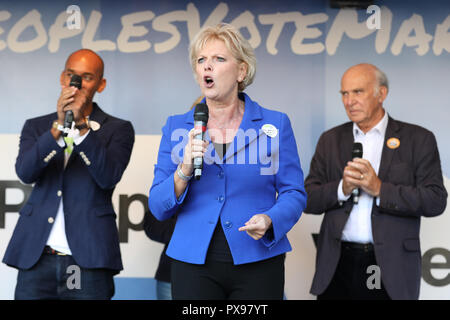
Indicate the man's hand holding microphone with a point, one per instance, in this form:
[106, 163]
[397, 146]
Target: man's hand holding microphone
[359, 173]
[70, 108]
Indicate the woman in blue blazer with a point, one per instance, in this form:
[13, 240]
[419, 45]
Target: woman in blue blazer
[230, 237]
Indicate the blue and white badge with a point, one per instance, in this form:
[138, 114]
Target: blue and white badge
[270, 130]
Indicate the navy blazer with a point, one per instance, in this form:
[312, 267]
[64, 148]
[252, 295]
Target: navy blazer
[260, 173]
[412, 187]
[86, 185]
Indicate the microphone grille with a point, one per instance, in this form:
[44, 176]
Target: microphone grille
[75, 81]
[357, 151]
[201, 112]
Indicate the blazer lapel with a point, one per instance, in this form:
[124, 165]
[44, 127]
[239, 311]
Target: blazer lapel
[249, 128]
[346, 146]
[59, 161]
[388, 153]
[98, 117]
[248, 131]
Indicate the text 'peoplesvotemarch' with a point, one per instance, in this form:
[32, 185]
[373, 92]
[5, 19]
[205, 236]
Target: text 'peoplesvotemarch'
[304, 41]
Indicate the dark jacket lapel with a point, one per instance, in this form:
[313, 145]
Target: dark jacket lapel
[346, 145]
[97, 115]
[392, 131]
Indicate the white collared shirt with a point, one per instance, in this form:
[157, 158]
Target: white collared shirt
[57, 238]
[359, 224]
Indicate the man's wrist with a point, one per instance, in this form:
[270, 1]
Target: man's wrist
[341, 193]
[58, 125]
[56, 129]
[377, 189]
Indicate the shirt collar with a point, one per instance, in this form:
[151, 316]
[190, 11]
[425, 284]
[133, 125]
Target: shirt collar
[380, 127]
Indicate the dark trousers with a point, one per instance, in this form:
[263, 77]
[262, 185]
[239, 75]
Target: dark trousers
[214, 280]
[57, 277]
[350, 280]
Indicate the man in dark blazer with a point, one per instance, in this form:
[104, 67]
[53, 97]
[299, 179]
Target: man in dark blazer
[400, 180]
[65, 243]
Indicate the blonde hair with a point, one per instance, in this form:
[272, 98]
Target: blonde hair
[239, 47]
[196, 101]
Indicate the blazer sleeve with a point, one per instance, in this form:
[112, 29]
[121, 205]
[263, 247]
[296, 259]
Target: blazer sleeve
[162, 200]
[108, 157]
[291, 200]
[427, 196]
[34, 152]
[322, 191]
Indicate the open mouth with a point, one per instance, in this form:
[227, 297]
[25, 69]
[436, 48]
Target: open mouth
[209, 82]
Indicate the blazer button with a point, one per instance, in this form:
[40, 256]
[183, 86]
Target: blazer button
[51, 220]
[228, 224]
[59, 193]
[221, 198]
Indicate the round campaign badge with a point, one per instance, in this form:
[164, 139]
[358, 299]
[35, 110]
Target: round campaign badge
[94, 125]
[270, 130]
[393, 143]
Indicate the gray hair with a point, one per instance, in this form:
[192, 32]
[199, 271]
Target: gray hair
[239, 47]
[381, 80]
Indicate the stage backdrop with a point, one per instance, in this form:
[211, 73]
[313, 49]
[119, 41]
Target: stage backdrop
[302, 49]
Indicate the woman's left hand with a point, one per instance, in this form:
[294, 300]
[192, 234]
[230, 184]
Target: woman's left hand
[257, 226]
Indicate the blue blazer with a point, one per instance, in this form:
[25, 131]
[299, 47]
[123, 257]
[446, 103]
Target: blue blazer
[255, 169]
[86, 185]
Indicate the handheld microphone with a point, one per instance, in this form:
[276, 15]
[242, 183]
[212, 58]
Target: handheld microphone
[75, 81]
[357, 152]
[201, 115]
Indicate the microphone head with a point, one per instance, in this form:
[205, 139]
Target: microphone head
[75, 81]
[201, 112]
[357, 151]
[68, 118]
